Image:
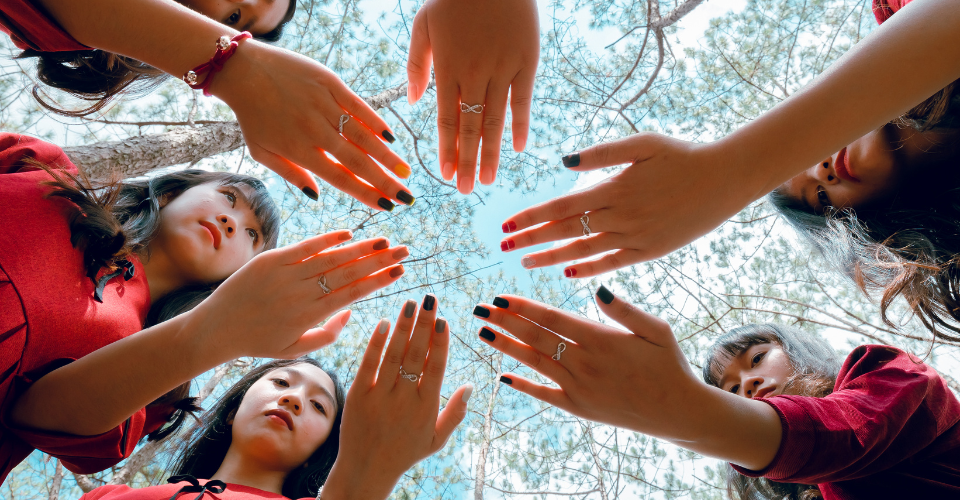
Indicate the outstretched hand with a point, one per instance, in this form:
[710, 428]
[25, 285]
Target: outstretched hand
[481, 50]
[390, 419]
[671, 193]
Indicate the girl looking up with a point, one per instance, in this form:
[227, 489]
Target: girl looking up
[83, 270]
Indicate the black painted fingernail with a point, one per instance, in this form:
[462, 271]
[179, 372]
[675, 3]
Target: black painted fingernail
[487, 334]
[440, 325]
[481, 311]
[406, 198]
[389, 137]
[501, 302]
[428, 302]
[606, 296]
[385, 204]
[506, 380]
[409, 308]
[310, 192]
[571, 160]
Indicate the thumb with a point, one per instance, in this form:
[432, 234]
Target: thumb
[419, 58]
[632, 149]
[316, 338]
[451, 416]
[643, 325]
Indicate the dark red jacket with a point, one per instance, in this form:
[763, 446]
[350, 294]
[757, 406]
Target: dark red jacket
[31, 28]
[48, 316]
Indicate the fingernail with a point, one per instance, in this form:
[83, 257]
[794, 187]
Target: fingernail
[440, 326]
[509, 226]
[346, 236]
[384, 324]
[402, 170]
[310, 192]
[507, 245]
[397, 271]
[406, 197]
[467, 393]
[487, 334]
[388, 136]
[506, 380]
[382, 244]
[412, 91]
[409, 308]
[346, 317]
[400, 253]
[428, 302]
[501, 302]
[465, 184]
[447, 171]
[385, 204]
[606, 296]
[528, 262]
[481, 311]
[519, 145]
[571, 160]
[569, 272]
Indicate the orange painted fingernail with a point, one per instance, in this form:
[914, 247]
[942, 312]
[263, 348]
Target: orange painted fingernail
[403, 171]
[397, 271]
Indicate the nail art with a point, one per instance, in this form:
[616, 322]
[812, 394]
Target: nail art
[381, 245]
[409, 308]
[428, 302]
[606, 296]
[440, 325]
[571, 160]
[345, 236]
[406, 198]
[400, 253]
[506, 380]
[402, 170]
[501, 302]
[510, 244]
[528, 262]
[503, 246]
[384, 324]
[397, 271]
[509, 226]
[481, 311]
[467, 393]
[385, 204]
[388, 136]
[569, 272]
[310, 192]
[487, 334]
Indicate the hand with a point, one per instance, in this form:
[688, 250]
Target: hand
[289, 110]
[390, 422]
[671, 193]
[270, 306]
[481, 49]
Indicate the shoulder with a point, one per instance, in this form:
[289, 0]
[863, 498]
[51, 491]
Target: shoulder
[17, 151]
[881, 360]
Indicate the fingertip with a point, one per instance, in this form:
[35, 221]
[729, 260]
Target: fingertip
[346, 317]
[447, 171]
[384, 326]
[412, 93]
[605, 295]
[467, 393]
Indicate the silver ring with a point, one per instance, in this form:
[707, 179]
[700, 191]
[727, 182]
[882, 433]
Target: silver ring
[585, 220]
[466, 108]
[323, 284]
[409, 376]
[560, 348]
[343, 120]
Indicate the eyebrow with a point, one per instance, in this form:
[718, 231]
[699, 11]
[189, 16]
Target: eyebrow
[293, 371]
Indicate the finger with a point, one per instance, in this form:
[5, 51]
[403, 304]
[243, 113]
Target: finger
[393, 358]
[316, 338]
[521, 98]
[571, 227]
[448, 124]
[494, 118]
[362, 137]
[419, 344]
[285, 168]
[360, 110]
[351, 157]
[558, 321]
[468, 135]
[560, 208]
[330, 259]
[534, 358]
[629, 150]
[550, 395]
[451, 416]
[367, 372]
[343, 179]
[436, 364]
[609, 262]
[644, 325]
[536, 336]
[576, 249]
[359, 289]
[419, 58]
[298, 252]
[365, 266]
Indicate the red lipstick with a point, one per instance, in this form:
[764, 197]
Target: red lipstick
[842, 167]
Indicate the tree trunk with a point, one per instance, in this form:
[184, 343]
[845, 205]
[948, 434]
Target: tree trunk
[57, 481]
[485, 445]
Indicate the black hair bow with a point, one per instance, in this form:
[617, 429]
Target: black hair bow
[214, 486]
[125, 266]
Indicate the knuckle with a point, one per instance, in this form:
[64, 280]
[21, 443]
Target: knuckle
[434, 370]
[602, 152]
[550, 318]
[469, 131]
[493, 122]
[536, 360]
[355, 294]
[560, 208]
[614, 261]
[349, 274]
[447, 124]
[394, 358]
[521, 101]
[535, 336]
[416, 354]
[583, 247]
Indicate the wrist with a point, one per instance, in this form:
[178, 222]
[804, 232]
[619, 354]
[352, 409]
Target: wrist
[353, 482]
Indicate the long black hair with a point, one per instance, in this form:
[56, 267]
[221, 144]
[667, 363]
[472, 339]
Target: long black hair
[815, 368]
[97, 76]
[207, 446]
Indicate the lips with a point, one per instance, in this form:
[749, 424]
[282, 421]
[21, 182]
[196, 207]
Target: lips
[843, 168]
[282, 415]
[214, 232]
[762, 393]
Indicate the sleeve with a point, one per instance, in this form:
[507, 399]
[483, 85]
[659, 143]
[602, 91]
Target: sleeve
[108, 492]
[883, 9]
[886, 408]
[30, 27]
[17, 150]
[85, 454]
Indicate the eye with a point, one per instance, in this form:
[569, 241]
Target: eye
[823, 198]
[253, 234]
[735, 389]
[319, 407]
[757, 357]
[231, 197]
[233, 19]
[281, 382]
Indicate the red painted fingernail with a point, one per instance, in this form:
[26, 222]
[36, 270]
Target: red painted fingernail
[503, 246]
[509, 226]
[397, 271]
[569, 272]
[511, 245]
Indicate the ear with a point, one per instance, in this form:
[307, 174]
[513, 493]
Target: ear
[233, 413]
[164, 199]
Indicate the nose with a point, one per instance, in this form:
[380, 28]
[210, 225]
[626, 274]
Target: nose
[824, 172]
[750, 386]
[229, 225]
[292, 403]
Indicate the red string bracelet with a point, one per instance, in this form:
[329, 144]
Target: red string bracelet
[225, 48]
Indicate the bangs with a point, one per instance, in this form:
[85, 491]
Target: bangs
[728, 347]
[263, 206]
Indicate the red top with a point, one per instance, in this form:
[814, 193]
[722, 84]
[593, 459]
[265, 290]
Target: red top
[889, 430]
[167, 491]
[30, 27]
[48, 316]
[883, 9]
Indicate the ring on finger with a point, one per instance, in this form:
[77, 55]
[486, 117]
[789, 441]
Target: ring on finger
[560, 348]
[409, 376]
[343, 121]
[323, 284]
[585, 220]
[466, 108]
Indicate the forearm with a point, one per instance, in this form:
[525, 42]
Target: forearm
[349, 481]
[102, 389]
[906, 60]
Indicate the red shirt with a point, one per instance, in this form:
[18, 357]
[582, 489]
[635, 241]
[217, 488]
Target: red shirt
[889, 430]
[883, 9]
[48, 316]
[30, 27]
[167, 491]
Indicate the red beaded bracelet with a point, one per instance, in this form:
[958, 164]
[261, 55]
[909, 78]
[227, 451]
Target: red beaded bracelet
[225, 48]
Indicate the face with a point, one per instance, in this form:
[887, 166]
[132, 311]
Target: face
[866, 172]
[256, 16]
[207, 233]
[285, 416]
[762, 371]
